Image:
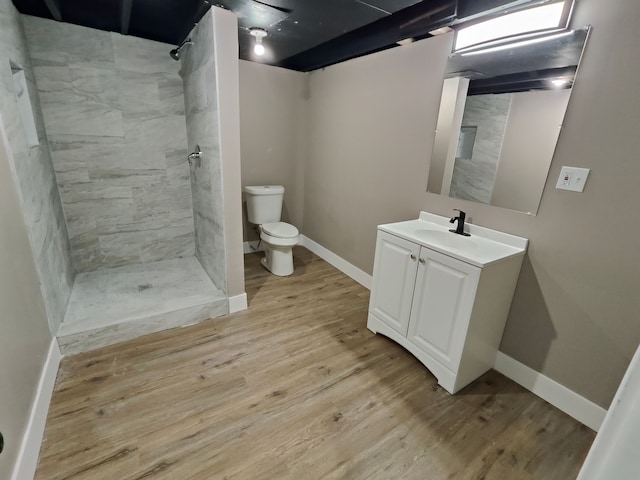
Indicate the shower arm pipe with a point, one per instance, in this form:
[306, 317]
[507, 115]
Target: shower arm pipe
[186, 41]
[175, 53]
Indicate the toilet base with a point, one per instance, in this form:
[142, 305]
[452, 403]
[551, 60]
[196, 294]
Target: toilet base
[278, 261]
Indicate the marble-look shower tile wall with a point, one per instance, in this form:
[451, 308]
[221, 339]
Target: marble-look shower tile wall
[473, 178]
[114, 113]
[201, 108]
[34, 172]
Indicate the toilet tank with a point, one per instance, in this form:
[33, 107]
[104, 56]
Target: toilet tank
[264, 203]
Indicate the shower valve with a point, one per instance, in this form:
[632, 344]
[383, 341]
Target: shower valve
[195, 155]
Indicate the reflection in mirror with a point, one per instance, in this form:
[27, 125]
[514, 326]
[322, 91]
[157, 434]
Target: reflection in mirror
[500, 117]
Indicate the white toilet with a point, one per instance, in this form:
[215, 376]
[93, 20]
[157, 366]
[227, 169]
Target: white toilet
[264, 207]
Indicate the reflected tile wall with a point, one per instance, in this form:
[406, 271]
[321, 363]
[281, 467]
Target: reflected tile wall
[201, 107]
[473, 178]
[33, 168]
[114, 113]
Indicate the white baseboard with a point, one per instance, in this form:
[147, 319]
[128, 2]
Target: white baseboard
[583, 410]
[27, 461]
[238, 303]
[340, 263]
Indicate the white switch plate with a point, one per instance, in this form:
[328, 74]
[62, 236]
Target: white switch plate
[572, 178]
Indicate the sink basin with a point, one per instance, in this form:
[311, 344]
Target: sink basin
[482, 248]
[446, 238]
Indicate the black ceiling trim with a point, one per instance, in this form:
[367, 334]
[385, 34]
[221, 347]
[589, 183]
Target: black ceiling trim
[374, 7]
[280, 9]
[298, 29]
[413, 21]
[54, 9]
[125, 16]
[202, 9]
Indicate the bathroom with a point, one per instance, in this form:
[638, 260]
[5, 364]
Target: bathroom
[140, 242]
[350, 147]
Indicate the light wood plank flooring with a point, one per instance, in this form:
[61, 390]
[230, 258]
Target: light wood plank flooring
[295, 387]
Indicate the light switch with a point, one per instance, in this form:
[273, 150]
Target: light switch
[572, 178]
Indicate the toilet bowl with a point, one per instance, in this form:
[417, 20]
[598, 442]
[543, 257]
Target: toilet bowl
[264, 207]
[279, 238]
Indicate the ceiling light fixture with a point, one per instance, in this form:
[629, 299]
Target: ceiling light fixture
[559, 82]
[259, 34]
[541, 18]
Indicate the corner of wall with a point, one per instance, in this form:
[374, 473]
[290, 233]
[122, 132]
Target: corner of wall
[225, 31]
[27, 461]
[36, 180]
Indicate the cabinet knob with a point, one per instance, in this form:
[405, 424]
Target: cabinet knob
[413, 257]
[422, 261]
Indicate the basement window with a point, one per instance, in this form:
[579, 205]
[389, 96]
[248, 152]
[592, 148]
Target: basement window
[21, 92]
[549, 17]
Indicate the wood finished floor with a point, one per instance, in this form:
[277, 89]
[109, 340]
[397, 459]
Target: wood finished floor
[295, 387]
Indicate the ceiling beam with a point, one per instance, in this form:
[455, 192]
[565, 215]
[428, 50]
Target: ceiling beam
[125, 16]
[414, 21]
[54, 9]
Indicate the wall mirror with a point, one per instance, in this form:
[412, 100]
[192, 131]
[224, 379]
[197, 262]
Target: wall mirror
[500, 117]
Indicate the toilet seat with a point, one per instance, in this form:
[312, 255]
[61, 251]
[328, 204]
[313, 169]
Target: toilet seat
[280, 230]
[279, 234]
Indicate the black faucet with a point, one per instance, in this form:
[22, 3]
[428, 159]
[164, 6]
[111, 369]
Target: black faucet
[460, 227]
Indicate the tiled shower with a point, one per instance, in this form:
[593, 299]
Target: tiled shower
[140, 236]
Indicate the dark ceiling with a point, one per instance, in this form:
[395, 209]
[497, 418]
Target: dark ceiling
[302, 34]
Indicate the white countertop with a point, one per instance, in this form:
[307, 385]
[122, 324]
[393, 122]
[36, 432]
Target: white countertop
[483, 247]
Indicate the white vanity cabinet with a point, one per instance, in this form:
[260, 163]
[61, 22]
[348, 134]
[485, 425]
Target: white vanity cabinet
[444, 297]
[394, 277]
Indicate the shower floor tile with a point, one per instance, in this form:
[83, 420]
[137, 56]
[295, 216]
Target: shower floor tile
[146, 297]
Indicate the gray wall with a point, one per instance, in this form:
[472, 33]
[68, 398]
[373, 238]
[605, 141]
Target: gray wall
[371, 131]
[210, 75]
[273, 129]
[114, 114]
[24, 334]
[575, 313]
[532, 132]
[473, 177]
[36, 178]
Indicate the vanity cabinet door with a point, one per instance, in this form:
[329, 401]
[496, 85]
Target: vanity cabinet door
[394, 275]
[442, 303]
